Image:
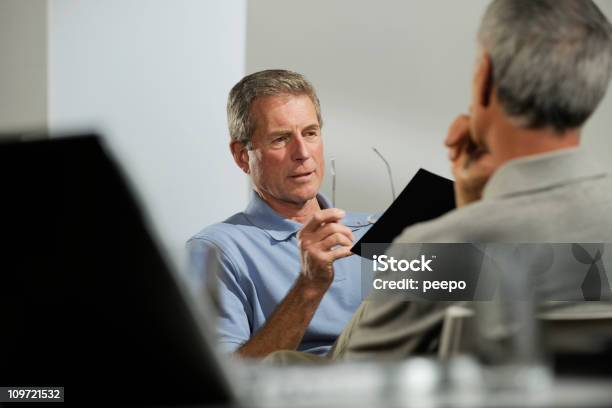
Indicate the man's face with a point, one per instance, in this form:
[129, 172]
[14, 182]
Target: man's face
[286, 161]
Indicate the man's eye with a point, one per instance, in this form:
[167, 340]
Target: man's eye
[312, 134]
[280, 140]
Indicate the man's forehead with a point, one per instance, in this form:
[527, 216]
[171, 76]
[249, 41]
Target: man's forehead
[280, 111]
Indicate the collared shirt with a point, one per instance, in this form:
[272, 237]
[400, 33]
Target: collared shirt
[255, 255]
[560, 196]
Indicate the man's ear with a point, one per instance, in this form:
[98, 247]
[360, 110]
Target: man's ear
[483, 80]
[241, 155]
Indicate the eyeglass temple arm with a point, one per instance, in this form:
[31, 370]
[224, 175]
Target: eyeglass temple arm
[333, 171]
[388, 171]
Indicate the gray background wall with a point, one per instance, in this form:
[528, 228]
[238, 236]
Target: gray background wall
[153, 77]
[23, 64]
[391, 74]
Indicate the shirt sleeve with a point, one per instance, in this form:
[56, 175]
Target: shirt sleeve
[213, 274]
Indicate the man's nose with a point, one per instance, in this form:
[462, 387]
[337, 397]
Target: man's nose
[300, 149]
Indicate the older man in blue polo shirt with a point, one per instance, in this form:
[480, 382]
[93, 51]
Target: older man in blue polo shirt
[286, 277]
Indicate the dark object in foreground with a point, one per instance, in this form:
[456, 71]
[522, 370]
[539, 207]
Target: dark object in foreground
[87, 301]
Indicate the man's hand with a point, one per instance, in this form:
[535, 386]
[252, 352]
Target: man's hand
[322, 241]
[472, 164]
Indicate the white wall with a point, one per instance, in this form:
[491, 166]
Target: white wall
[598, 131]
[23, 65]
[391, 74]
[153, 77]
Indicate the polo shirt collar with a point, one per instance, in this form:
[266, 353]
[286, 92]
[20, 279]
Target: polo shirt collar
[541, 172]
[260, 214]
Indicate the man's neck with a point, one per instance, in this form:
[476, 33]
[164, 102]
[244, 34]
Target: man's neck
[298, 212]
[507, 141]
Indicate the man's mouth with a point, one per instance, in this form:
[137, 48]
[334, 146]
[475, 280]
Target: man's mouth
[302, 176]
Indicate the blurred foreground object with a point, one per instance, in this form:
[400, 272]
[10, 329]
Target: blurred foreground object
[416, 382]
[87, 301]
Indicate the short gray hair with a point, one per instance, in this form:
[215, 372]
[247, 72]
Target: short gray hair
[551, 59]
[273, 82]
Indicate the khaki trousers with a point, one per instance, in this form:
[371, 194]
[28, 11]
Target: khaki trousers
[337, 352]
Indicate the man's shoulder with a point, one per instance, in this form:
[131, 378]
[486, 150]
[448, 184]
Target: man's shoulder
[526, 217]
[224, 234]
[472, 223]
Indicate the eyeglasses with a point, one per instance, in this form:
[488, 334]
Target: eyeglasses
[372, 219]
[388, 172]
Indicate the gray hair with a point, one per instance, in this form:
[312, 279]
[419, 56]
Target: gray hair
[273, 82]
[552, 59]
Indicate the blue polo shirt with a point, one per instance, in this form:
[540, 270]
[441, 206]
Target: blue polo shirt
[255, 255]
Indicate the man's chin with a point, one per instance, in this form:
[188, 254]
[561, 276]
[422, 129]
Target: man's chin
[303, 197]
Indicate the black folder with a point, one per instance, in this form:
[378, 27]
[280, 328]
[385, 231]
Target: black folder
[427, 196]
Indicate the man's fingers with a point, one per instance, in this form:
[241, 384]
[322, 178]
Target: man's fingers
[467, 154]
[340, 252]
[454, 152]
[458, 134]
[336, 239]
[472, 169]
[458, 130]
[322, 241]
[334, 228]
[329, 215]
